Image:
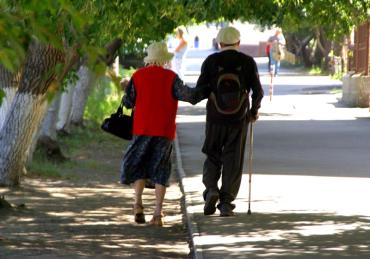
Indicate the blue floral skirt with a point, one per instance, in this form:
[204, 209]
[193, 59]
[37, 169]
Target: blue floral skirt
[149, 158]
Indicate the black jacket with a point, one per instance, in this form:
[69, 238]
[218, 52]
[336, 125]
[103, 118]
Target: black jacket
[249, 73]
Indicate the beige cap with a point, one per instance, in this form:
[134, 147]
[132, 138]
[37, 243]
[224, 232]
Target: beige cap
[157, 54]
[228, 35]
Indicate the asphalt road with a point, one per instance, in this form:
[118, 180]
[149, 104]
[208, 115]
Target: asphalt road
[310, 180]
[304, 130]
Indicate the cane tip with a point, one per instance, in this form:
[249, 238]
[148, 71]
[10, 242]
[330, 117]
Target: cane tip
[249, 212]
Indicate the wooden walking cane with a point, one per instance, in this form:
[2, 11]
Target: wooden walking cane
[250, 166]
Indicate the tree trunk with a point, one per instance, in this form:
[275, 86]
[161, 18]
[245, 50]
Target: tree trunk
[323, 47]
[344, 54]
[299, 46]
[46, 139]
[87, 80]
[8, 83]
[27, 110]
[17, 134]
[80, 95]
[65, 108]
[48, 127]
[7, 101]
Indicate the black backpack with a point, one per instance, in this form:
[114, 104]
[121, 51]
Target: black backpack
[230, 92]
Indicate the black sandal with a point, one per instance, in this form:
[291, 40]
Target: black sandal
[139, 214]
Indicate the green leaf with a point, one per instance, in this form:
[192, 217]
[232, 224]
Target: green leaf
[2, 95]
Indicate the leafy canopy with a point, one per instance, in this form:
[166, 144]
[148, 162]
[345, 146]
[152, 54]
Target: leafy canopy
[336, 18]
[89, 25]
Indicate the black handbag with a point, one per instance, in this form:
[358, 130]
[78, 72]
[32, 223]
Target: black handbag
[119, 124]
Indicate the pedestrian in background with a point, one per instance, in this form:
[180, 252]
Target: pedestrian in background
[196, 42]
[275, 45]
[267, 52]
[180, 52]
[227, 78]
[153, 93]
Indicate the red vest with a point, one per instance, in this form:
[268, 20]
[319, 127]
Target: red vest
[155, 106]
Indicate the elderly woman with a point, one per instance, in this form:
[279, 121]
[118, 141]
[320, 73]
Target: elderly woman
[153, 92]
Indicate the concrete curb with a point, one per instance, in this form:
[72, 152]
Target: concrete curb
[192, 225]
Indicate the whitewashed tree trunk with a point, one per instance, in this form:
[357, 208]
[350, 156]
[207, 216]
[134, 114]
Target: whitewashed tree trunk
[27, 110]
[115, 66]
[65, 108]
[46, 136]
[16, 136]
[8, 83]
[48, 127]
[86, 82]
[7, 101]
[81, 93]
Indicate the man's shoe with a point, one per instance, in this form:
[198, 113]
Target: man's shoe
[226, 209]
[211, 199]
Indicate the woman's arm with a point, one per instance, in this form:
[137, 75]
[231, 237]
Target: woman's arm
[181, 45]
[129, 98]
[185, 93]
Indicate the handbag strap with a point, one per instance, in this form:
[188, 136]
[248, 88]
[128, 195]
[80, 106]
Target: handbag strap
[120, 108]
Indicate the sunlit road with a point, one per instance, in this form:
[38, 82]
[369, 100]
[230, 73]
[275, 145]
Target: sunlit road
[304, 130]
[311, 176]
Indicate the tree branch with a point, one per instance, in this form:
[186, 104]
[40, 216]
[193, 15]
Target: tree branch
[111, 49]
[319, 43]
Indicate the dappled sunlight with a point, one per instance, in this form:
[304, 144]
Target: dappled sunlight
[291, 216]
[62, 218]
[288, 193]
[310, 181]
[325, 228]
[285, 234]
[194, 189]
[298, 80]
[25, 219]
[315, 107]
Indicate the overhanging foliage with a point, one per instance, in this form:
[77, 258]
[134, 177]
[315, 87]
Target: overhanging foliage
[91, 24]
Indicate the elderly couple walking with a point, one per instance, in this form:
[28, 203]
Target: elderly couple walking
[227, 79]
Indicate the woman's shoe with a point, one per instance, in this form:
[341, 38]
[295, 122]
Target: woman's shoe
[157, 220]
[139, 214]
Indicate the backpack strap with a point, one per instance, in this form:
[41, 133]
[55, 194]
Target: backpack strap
[212, 97]
[229, 76]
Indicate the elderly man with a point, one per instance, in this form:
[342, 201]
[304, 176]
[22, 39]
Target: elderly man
[227, 78]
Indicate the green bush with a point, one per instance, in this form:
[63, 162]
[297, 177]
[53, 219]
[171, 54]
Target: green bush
[79, 145]
[315, 71]
[105, 98]
[42, 167]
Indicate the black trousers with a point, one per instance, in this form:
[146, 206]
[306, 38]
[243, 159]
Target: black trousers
[224, 147]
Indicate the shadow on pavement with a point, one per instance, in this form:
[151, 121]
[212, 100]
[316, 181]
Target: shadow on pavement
[62, 220]
[285, 236]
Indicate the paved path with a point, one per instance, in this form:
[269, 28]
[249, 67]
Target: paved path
[310, 184]
[87, 213]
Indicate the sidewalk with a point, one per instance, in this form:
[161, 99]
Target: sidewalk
[318, 214]
[89, 214]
